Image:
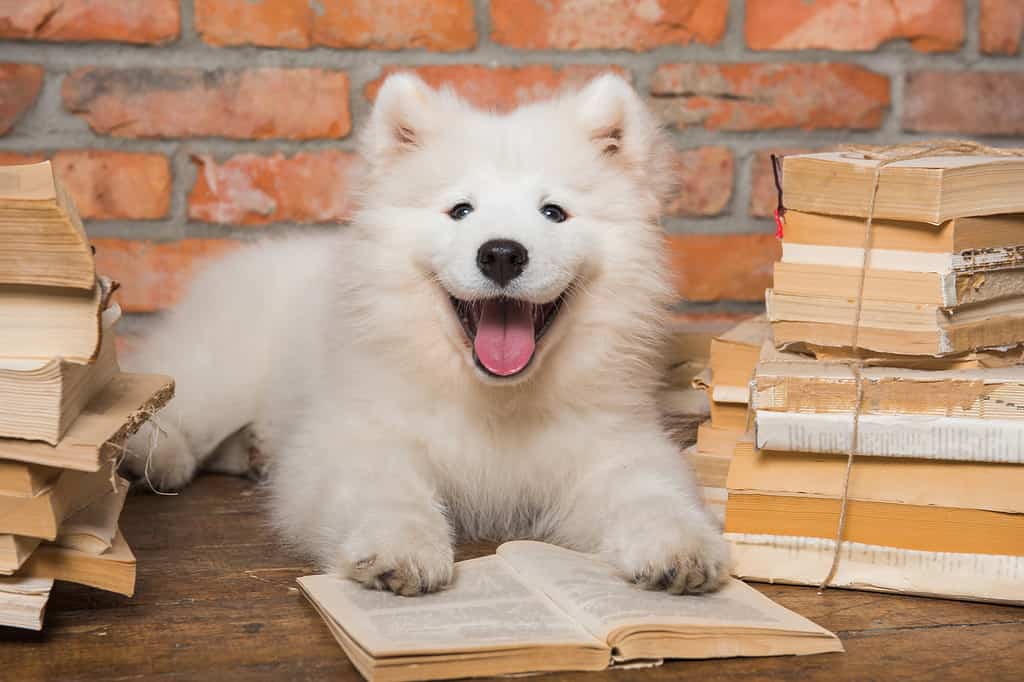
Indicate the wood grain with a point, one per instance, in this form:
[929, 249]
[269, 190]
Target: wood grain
[216, 599]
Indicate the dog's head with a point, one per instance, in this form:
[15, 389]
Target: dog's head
[524, 228]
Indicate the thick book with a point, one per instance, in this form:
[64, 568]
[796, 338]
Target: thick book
[946, 288]
[98, 434]
[896, 327]
[112, 571]
[42, 398]
[787, 382]
[42, 241]
[806, 561]
[990, 486]
[930, 189]
[45, 322]
[23, 602]
[42, 515]
[534, 608]
[733, 357]
[926, 528]
[816, 233]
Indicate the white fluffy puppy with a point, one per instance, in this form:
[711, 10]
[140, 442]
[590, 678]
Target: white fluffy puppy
[475, 356]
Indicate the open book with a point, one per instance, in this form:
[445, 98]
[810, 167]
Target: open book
[534, 607]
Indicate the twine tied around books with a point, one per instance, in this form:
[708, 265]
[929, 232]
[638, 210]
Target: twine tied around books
[884, 156]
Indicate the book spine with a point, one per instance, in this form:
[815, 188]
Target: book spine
[916, 436]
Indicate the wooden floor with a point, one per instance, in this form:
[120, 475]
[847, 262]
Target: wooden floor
[217, 600]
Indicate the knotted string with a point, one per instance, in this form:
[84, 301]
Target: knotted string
[885, 156]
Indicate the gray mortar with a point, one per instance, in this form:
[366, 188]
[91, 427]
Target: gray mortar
[48, 126]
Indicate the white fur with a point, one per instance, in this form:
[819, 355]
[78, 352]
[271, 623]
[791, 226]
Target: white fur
[344, 356]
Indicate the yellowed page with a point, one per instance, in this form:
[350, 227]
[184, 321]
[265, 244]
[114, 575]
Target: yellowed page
[599, 598]
[488, 607]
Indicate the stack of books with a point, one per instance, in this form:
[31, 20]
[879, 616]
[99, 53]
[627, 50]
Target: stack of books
[933, 501]
[66, 409]
[726, 382]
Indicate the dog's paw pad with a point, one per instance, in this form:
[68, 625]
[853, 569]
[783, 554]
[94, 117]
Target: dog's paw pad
[417, 572]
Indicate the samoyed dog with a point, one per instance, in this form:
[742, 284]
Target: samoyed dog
[475, 356]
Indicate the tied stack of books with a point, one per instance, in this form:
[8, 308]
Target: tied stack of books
[65, 407]
[933, 501]
[726, 382]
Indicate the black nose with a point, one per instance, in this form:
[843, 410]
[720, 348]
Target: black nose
[502, 260]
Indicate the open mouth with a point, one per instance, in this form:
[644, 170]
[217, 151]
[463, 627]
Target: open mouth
[504, 331]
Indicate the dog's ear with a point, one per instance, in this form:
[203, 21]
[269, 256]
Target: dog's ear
[616, 119]
[403, 114]
[626, 132]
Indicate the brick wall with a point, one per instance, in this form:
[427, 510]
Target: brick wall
[184, 127]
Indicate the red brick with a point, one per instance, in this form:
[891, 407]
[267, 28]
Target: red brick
[116, 185]
[599, 24]
[19, 87]
[251, 104]
[254, 190]
[704, 176]
[502, 87]
[439, 25]
[929, 25]
[1001, 25]
[970, 102]
[154, 275]
[770, 96]
[125, 21]
[728, 267]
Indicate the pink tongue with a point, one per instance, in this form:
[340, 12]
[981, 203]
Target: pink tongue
[504, 337]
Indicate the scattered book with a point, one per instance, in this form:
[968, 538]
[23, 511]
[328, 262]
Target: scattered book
[535, 608]
[42, 398]
[23, 602]
[44, 241]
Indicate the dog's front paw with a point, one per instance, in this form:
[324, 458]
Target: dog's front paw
[159, 458]
[683, 558]
[409, 562]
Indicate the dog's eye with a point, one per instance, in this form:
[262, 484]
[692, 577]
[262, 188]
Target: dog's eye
[460, 211]
[554, 213]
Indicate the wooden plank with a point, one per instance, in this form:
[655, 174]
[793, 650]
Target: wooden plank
[217, 600]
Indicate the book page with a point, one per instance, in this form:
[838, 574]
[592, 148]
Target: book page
[487, 607]
[595, 593]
